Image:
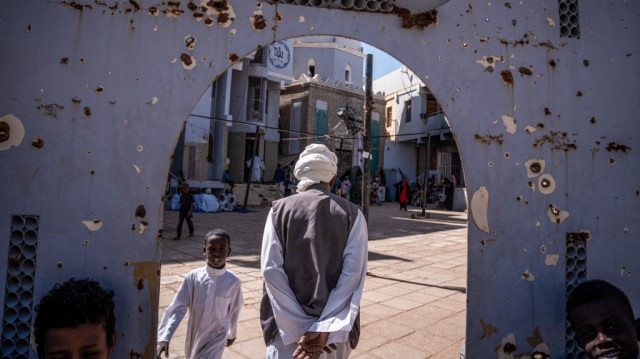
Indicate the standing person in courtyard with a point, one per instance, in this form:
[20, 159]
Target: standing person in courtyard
[345, 188]
[213, 297]
[186, 211]
[404, 194]
[314, 258]
[602, 318]
[278, 178]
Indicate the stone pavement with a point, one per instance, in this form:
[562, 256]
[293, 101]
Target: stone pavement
[414, 301]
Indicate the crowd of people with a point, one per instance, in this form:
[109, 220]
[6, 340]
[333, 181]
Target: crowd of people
[313, 261]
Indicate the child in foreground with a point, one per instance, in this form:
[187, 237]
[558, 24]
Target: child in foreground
[75, 320]
[213, 297]
[602, 318]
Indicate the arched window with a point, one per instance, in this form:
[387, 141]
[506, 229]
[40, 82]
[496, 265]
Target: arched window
[347, 74]
[311, 67]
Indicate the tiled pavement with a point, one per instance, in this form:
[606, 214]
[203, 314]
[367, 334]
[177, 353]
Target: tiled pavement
[414, 300]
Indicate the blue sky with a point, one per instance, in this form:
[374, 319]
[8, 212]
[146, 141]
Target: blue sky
[382, 62]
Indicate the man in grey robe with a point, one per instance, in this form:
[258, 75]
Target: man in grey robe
[314, 258]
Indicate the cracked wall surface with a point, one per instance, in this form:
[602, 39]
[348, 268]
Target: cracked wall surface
[95, 93]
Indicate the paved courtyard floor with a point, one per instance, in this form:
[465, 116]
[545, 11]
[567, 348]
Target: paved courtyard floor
[414, 301]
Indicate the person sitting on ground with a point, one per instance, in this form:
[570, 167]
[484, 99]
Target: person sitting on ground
[209, 202]
[222, 202]
[213, 297]
[603, 320]
[75, 319]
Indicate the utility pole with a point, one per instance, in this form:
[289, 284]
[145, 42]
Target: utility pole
[425, 177]
[368, 104]
[253, 156]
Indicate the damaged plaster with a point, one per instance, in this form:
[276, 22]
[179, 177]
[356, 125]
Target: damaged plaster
[479, 209]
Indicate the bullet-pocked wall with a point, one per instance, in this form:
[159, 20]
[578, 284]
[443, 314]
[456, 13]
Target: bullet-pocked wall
[541, 96]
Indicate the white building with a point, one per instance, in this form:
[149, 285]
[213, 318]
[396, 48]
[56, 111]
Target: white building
[413, 115]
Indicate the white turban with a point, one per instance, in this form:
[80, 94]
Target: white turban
[316, 164]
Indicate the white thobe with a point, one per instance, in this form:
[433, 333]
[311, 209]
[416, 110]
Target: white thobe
[343, 303]
[258, 166]
[214, 300]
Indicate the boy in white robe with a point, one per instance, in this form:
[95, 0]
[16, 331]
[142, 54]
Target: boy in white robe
[213, 296]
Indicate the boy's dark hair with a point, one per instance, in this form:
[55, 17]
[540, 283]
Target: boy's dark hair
[219, 233]
[72, 303]
[597, 289]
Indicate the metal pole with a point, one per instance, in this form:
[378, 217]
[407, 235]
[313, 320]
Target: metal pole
[255, 153]
[424, 178]
[368, 104]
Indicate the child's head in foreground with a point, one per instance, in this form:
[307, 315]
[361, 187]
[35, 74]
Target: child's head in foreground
[217, 247]
[76, 319]
[602, 318]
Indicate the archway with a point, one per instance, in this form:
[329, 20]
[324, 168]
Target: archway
[94, 119]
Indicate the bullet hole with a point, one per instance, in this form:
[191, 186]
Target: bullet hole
[579, 94]
[540, 125]
[81, 60]
[88, 153]
[104, 268]
[507, 5]
[612, 161]
[530, 184]
[87, 111]
[198, 16]
[585, 63]
[448, 41]
[184, 79]
[547, 112]
[592, 120]
[141, 211]
[112, 102]
[134, 355]
[29, 28]
[490, 164]
[208, 22]
[554, 210]
[159, 235]
[278, 17]
[464, 45]
[140, 284]
[514, 22]
[535, 167]
[187, 61]
[59, 264]
[507, 77]
[543, 249]
[615, 146]
[233, 57]
[139, 309]
[625, 230]
[64, 60]
[552, 63]
[483, 243]
[37, 142]
[259, 22]
[545, 183]
[99, 89]
[539, 355]
[525, 71]
[86, 241]
[133, 228]
[191, 6]
[5, 131]
[76, 100]
[509, 348]
[139, 148]
[190, 43]
[92, 172]
[519, 198]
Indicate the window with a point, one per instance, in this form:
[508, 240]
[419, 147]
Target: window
[260, 57]
[255, 100]
[347, 74]
[389, 115]
[407, 111]
[311, 67]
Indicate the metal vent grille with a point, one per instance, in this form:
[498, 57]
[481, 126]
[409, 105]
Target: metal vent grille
[576, 273]
[569, 19]
[18, 298]
[358, 5]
